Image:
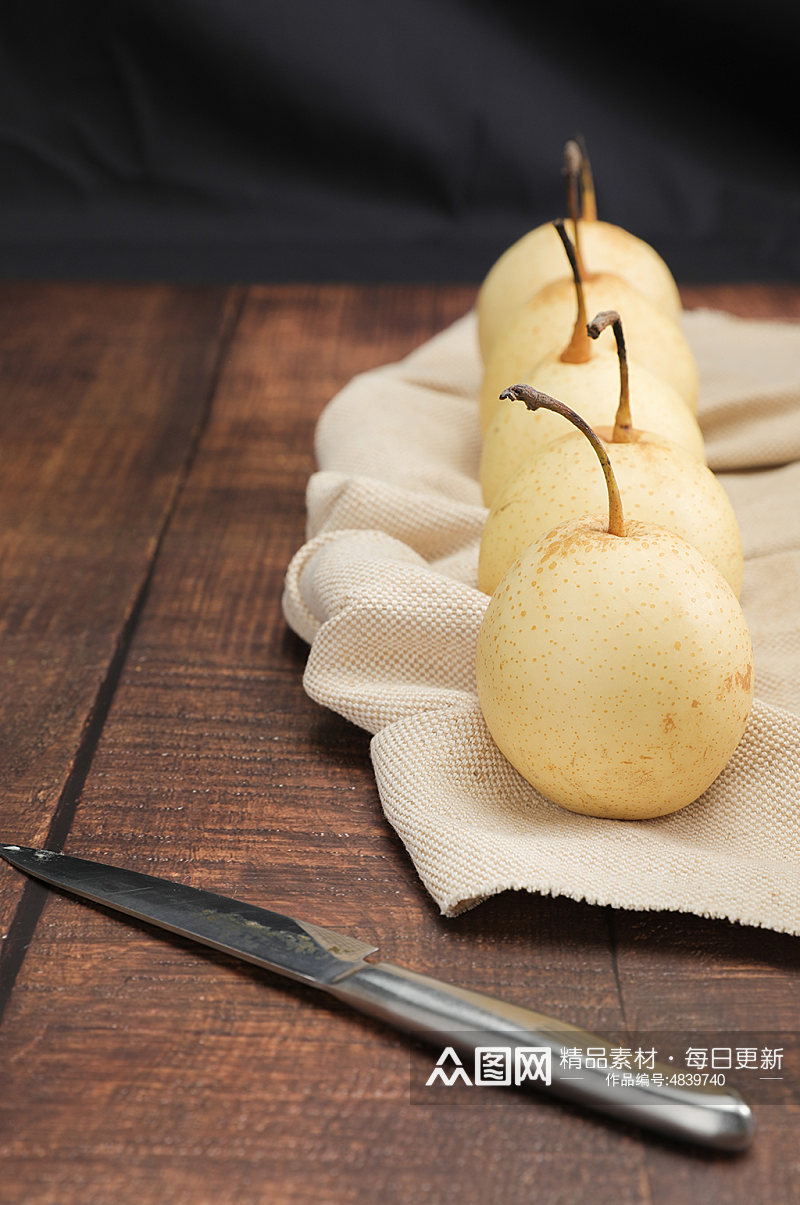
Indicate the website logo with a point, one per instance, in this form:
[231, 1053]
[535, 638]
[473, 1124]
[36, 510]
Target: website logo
[495, 1066]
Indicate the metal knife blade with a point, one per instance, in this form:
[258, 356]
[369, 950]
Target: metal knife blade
[419, 1004]
[268, 939]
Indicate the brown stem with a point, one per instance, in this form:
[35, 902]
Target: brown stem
[623, 427]
[579, 348]
[588, 197]
[571, 169]
[535, 400]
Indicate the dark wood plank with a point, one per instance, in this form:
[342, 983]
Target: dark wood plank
[214, 767]
[687, 981]
[103, 390]
[746, 300]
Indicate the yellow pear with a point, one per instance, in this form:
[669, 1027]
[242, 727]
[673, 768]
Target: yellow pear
[592, 387]
[661, 483]
[614, 665]
[536, 260]
[542, 326]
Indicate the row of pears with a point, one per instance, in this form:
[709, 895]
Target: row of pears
[614, 663]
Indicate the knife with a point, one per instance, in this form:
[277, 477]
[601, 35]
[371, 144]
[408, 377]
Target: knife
[428, 1008]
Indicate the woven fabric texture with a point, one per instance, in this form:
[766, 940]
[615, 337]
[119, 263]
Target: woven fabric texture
[385, 593]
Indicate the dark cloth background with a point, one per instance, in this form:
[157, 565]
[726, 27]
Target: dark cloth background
[263, 140]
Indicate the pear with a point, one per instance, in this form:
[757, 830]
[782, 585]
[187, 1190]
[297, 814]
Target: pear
[661, 483]
[614, 665]
[510, 440]
[589, 384]
[535, 260]
[543, 323]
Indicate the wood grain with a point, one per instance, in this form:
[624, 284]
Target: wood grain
[103, 390]
[138, 1068]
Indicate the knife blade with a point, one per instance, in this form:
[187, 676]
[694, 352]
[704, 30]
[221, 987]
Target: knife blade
[428, 1008]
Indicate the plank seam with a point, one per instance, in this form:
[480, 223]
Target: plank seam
[31, 903]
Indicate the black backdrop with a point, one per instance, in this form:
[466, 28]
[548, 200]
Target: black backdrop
[264, 140]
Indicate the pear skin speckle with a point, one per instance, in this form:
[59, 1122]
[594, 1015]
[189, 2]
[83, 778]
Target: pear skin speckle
[626, 686]
[514, 434]
[659, 482]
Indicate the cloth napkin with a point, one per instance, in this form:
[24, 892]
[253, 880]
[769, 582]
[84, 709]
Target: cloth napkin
[385, 593]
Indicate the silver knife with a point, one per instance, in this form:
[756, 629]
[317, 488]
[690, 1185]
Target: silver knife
[432, 1010]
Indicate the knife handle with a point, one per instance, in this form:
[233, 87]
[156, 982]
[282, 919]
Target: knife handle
[452, 1016]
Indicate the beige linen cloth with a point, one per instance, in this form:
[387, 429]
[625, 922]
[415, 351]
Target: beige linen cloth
[385, 593]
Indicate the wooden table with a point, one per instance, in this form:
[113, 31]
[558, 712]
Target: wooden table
[155, 447]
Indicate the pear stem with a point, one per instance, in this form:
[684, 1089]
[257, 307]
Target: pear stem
[588, 195]
[571, 171]
[535, 400]
[623, 426]
[579, 348]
